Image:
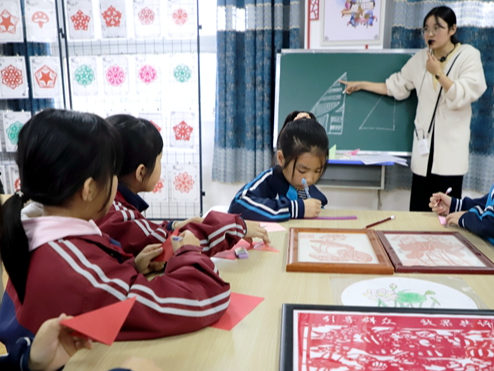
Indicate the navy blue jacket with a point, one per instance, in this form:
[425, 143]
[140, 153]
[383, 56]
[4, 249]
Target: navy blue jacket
[269, 197]
[480, 216]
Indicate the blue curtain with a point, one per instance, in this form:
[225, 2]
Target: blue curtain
[249, 34]
[475, 27]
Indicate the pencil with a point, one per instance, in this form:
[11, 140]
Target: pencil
[306, 187]
[380, 221]
[446, 193]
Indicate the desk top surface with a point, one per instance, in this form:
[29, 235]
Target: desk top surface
[254, 344]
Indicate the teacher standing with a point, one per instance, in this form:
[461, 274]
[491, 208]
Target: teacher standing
[447, 77]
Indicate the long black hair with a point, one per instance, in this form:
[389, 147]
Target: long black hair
[141, 143]
[447, 15]
[302, 136]
[57, 152]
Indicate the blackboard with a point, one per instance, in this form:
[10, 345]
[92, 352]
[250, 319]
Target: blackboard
[308, 80]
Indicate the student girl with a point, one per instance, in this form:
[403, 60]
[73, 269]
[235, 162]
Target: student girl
[448, 78]
[140, 172]
[60, 262]
[278, 194]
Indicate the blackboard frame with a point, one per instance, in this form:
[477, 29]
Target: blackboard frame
[283, 52]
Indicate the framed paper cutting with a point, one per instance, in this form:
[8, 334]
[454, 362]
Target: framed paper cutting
[317, 337]
[434, 252]
[336, 251]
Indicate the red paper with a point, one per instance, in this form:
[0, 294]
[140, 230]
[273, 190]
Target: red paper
[240, 306]
[230, 254]
[272, 227]
[167, 252]
[442, 219]
[263, 247]
[102, 324]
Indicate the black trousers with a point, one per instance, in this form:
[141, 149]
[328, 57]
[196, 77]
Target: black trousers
[424, 186]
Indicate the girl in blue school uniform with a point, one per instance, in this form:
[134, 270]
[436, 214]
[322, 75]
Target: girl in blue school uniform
[278, 194]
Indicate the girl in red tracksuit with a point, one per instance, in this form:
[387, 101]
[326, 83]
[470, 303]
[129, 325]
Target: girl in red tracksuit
[61, 262]
[140, 172]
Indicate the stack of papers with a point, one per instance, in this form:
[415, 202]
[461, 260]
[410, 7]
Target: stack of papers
[379, 158]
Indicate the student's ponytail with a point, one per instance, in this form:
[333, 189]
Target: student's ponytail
[14, 246]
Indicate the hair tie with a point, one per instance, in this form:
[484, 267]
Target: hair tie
[22, 196]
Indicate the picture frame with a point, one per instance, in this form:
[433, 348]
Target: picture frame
[352, 22]
[338, 337]
[434, 252]
[336, 251]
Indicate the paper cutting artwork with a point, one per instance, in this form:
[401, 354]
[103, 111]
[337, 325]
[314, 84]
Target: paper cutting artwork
[13, 78]
[389, 341]
[147, 19]
[182, 73]
[182, 134]
[113, 19]
[180, 16]
[405, 292]
[182, 131]
[12, 125]
[116, 71]
[314, 10]
[148, 74]
[352, 21]
[80, 19]
[341, 248]
[11, 21]
[41, 23]
[185, 183]
[181, 20]
[46, 72]
[84, 75]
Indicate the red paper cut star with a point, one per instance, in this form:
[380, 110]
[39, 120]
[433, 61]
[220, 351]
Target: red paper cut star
[183, 131]
[9, 22]
[112, 17]
[46, 77]
[80, 20]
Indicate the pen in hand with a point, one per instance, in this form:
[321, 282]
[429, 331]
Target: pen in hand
[306, 187]
[448, 191]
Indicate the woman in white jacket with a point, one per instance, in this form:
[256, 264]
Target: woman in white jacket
[448, 77]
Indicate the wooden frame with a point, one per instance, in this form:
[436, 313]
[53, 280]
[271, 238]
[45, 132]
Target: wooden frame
[330, 337]
[380, 263]
[427, 257]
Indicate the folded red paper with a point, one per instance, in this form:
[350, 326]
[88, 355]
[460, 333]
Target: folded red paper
[230, 254]
[102, 324]
[167, 249]
[240, 306]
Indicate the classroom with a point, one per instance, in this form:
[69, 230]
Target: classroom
[246, 185]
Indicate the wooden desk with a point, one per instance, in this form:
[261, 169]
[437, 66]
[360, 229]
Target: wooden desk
[254, 343]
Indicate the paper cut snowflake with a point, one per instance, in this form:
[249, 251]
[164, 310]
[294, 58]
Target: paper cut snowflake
[182, 73]
[80, 20]
[84, 75]
[9, 22]
[112, 17]
[182, 131]
[46, 77]
[180, 17]
[159, 186]
[146, 16]
[17, 184]
[12, 77]
[13, 132]
[184, 182]
[115, 75]
[147, 74]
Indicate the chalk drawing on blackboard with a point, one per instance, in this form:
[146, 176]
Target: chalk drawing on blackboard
[381, 123]
[330, 108]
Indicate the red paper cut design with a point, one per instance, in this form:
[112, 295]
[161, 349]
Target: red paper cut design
[184, 182]
[146, 16]
[112, 17]
[17, 184]
[80, 20]
[354, 341]
[46, 77]
[40, 18]
[12, 77]
[115, 75]
[314, 10]
[183, 131]
[327, 244]
[159, 186]
[180, 17]
[155, 125]
[147, 74]
[9, 22]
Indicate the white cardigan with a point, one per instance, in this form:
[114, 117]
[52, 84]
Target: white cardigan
[454, 111]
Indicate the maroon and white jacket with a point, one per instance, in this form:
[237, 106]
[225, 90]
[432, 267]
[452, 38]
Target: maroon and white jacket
[75, 268]
[124, 223]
